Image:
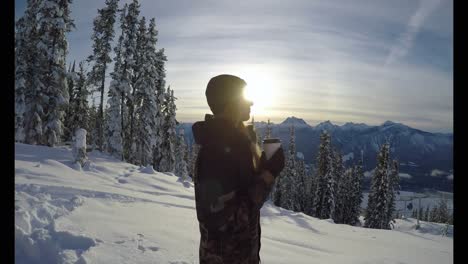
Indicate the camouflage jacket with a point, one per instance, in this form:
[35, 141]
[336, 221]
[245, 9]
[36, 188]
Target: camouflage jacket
[228, 194]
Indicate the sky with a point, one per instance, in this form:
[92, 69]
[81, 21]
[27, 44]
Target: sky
[362, 61]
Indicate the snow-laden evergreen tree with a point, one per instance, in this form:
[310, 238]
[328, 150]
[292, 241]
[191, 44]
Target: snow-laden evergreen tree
[310, 190]
[324, 200]
[146, 96]
[181, 166]
[79, 114]
[130, 56]
[169, 131]
[352, 217]
[376, 214]
[27, 77]
[443, 214]
[22, 74]
[160, 101]
[301, 189]
[103, 35]
[344, 198]
[72, 78]
[92, 136]
[289, 179]
[114, 118]
[122, 80]
[135, 97]
[433, 216]
[394, 187]
[54, 23]
[426, 214]
[341, 190]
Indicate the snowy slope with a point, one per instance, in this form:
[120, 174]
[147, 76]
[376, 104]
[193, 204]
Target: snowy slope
[114, 212]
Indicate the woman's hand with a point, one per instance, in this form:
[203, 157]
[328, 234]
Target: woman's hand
[275, 164]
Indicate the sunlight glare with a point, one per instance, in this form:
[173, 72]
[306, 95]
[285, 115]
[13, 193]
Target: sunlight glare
[261, 90]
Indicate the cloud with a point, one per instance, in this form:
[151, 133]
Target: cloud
[326, 58]
[436, 172]
[405, 41]
[405, 175]
[450, 177]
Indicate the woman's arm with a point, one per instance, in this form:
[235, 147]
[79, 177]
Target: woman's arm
[264, 180]
[261, 188]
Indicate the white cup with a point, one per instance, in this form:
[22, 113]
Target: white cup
[270, 146]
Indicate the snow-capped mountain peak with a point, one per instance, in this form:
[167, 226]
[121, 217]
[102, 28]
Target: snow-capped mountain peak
[354, 126]
[326, 125]
[297, 122]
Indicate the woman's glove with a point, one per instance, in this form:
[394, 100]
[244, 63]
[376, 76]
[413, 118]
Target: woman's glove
[275, 164]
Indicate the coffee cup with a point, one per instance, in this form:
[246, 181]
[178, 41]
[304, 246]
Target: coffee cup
[270, 146]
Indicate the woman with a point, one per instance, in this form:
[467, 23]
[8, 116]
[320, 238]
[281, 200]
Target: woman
[232, 177]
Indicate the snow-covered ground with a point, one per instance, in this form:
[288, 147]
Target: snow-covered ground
[115, 212]
[431, 200]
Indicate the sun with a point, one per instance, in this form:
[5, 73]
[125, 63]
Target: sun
[261, 90]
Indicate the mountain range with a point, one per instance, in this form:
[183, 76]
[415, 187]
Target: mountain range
[426, 159]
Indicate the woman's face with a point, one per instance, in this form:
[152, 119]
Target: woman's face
[238, 110]
[244, 109]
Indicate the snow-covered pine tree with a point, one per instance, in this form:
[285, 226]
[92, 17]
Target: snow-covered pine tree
[139, 81]
[160, 101]
[93, 134]
[135, 98]
[376, 214]
[113, 118]
[170, 137]
[324, 200]
[357, 196]
[393, 189]
[344, 209]
[433, 216]
[130, 59]
[289, 176]
[103, 35]
[443, 214]
[146, 97]
[341, 190]
[181, 166]
[426, 214]
[27, 62]
[79, 114]
[72, 78]
[54, 23]
[21, 74]
[310, 190]
[277, 191]
[301, 190]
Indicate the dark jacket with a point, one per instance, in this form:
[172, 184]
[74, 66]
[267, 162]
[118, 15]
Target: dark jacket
[228, 194]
